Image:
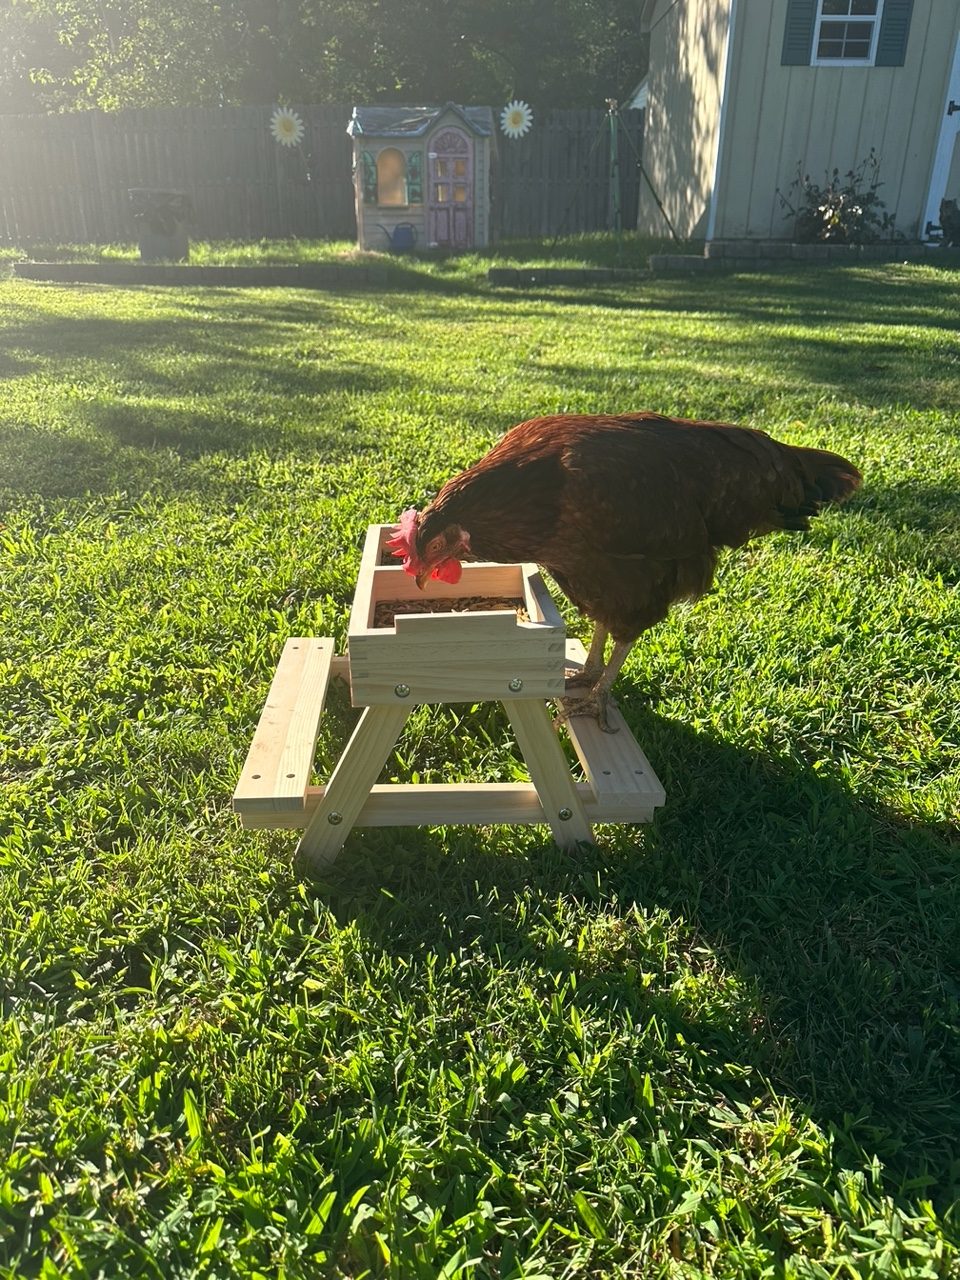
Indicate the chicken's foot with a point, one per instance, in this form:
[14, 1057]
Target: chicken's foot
[595, 702]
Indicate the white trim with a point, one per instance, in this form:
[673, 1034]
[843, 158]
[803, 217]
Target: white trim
[822, 17]
[949, 128]
[722, 125]
[638, 99]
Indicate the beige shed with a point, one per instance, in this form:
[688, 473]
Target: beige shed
[742, 92]
[423, 176]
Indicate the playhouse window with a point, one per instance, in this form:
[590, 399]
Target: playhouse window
[391, 177]
[846, 31]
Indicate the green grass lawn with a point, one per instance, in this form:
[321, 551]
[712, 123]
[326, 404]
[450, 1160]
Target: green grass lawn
[726, 1044]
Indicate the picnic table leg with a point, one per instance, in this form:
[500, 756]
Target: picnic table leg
[346, 792]
[549, 772]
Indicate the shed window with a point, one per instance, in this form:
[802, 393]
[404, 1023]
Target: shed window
[391, 177]
[846, 31]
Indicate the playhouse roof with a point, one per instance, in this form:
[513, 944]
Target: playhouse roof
[413, 122]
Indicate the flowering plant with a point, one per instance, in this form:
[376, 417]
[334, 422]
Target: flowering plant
[843, 211]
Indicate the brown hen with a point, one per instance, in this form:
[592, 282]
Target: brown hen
[627, 512]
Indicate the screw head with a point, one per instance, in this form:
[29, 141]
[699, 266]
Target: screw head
[334, 818]
[402, 691]
[565, 815]
[516, 684]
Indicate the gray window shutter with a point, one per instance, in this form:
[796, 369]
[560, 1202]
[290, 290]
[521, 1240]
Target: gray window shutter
[894, 29]
[798, 33]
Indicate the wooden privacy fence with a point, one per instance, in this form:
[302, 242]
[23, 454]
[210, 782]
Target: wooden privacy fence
[64, 179]
[556, 179]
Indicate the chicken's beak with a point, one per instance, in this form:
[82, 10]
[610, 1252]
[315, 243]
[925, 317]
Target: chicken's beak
[423, 577]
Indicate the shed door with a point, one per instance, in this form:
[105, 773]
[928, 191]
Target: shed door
[945, 179]
[450, 206]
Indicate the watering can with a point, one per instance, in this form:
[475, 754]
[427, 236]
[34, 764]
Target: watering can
[402, 238]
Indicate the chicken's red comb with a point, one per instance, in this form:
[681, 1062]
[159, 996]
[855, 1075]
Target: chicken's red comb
[403, 544]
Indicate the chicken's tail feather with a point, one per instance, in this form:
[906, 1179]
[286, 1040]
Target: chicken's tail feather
[826, 478]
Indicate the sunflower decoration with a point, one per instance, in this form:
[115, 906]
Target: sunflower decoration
[286, 127]
[515, 119]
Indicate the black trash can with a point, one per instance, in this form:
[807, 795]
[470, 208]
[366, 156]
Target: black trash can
[161, 218]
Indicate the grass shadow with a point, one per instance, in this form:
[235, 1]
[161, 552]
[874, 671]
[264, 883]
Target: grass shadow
[843, 919]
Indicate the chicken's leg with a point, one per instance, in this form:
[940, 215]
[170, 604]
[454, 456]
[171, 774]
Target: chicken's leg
[595, 702]
[592, 669]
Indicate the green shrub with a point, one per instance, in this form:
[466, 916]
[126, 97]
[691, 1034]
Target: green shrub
[847, 211]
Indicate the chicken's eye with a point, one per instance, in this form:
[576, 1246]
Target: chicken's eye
[435, 545]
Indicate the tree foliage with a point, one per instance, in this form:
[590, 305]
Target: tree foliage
[69, 54]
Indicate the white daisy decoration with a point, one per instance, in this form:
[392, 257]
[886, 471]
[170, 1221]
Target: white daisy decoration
[515, 119]
[286, 126]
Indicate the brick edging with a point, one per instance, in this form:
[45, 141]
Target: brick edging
[764, 255]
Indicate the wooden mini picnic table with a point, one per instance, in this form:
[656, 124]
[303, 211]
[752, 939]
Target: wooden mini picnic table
[515, 653]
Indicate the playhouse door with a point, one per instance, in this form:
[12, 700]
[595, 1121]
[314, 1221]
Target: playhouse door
[450, 208]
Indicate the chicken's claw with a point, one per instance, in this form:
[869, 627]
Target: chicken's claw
[594, 704]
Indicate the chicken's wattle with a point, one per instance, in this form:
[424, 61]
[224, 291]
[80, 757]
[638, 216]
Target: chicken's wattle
[448, 571]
